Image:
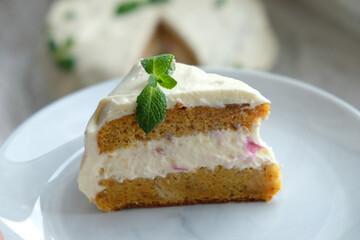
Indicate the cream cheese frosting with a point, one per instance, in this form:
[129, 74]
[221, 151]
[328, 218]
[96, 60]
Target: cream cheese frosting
[160, 157]
[105, 44]
[195, 88]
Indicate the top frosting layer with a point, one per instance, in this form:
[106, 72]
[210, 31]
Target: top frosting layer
[195, 88]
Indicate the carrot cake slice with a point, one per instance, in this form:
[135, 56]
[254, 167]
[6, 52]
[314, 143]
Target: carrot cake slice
[148, 145]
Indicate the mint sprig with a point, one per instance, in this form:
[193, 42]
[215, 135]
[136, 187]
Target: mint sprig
[220, 3]
[166, 81]
[127, 7]
[151, 103]
[62, 53]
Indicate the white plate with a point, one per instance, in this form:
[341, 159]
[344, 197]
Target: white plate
[315, 135]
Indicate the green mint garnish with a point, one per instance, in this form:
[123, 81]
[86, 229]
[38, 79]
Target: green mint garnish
[219, 3]
[69, 15]
[151, 103]
[52, 46]
[238, 65]
[67, 63]
[151, 108]
[68, 43]
[130, 6]
[166, 81]
[127, 7]
[162, 64]
[62, 53]
[157, 1]
[152, 80]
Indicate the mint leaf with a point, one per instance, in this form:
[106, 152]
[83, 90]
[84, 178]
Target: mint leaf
[158, 1]
[166, 81]
[130, 6]
[127, 7]
[162, 64]
[220, 3]
[69, 15]
[152, 80]
[52, 46]
[151, 108]
[238, 65]
[67, 63]
[68, 43]
[148, 65]
[61, 53]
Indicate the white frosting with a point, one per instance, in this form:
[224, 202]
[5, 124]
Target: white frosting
[105, 45]
[157, 158]
[194, 88]
[225, 148]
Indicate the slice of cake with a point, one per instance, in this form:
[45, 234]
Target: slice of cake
[207, 148]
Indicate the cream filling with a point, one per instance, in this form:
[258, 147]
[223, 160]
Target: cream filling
[227, 148]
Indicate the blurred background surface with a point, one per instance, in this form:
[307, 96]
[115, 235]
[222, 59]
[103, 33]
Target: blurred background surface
[319, 44]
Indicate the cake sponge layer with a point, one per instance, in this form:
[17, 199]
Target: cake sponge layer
[184, 188]
[180, 121]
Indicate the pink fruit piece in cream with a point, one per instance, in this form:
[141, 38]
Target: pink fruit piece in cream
[179, 168]
[252, 147]
[218, 136]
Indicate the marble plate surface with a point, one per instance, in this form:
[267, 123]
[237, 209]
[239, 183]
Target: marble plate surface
[315, 136]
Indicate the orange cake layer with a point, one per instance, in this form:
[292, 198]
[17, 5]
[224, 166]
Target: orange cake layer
[180, 121]
[184, 188]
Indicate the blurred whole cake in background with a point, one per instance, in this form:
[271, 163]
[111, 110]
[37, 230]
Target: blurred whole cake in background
[94, 40]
